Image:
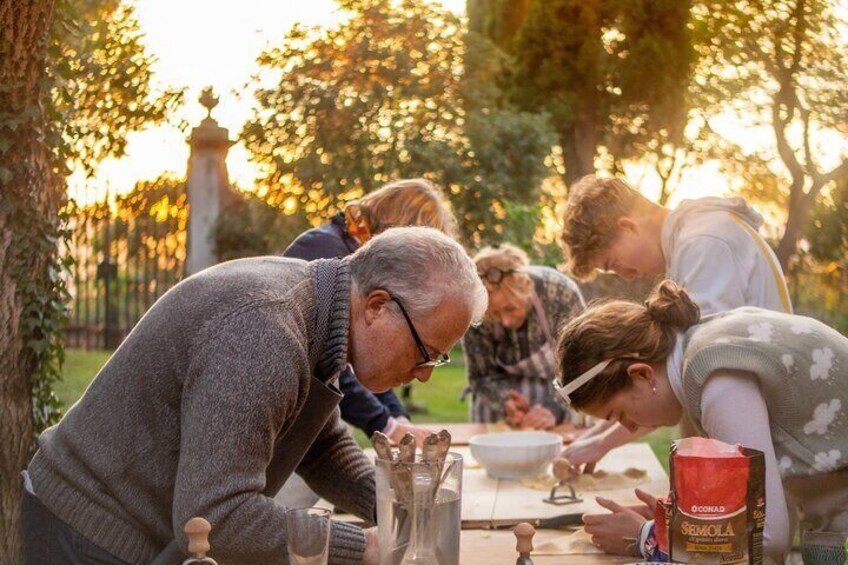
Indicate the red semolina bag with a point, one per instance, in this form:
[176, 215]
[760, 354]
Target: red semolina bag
[716, 509]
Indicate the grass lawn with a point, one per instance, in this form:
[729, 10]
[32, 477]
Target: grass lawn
[80, 367]
[440, 395]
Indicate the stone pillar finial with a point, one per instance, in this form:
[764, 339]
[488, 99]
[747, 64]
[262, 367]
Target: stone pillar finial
[208, 100]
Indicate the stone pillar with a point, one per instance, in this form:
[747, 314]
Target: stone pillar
[207, 183]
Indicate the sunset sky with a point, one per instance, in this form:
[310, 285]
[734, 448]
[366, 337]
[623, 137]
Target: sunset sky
[199, 43]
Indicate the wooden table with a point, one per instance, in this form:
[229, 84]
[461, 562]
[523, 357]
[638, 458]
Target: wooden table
[509, 501]
[479, 547]
[488, 502]
[494, 502]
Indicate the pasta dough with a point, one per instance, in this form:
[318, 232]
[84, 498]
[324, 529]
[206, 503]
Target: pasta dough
[599, 480]
[578, 542]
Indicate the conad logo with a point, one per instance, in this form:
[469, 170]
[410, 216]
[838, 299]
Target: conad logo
[711, 509]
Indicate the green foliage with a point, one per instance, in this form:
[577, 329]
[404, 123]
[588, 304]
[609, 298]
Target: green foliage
[827, 229]
[610, 74]
[498, 20]
[506, 151]
[250, 227]
[101, 81]
[34, 248]
[384, 96]
[355, 105]
[753, 52]
[96, 89]
[820, 270]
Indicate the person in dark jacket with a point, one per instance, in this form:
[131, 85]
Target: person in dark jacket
[411, 202]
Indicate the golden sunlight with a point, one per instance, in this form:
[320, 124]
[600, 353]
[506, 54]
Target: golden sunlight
[198, 44]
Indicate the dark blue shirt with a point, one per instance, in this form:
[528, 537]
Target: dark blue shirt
[360, 407]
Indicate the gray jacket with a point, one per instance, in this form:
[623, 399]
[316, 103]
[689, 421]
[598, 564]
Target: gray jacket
[182, 420]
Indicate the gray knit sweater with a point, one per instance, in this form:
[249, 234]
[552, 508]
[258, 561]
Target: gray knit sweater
[182, 420]
[802, 368]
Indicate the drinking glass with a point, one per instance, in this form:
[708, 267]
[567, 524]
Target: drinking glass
[308, 535]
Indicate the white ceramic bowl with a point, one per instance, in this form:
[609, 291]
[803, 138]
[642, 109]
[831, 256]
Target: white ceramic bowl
[515, 455]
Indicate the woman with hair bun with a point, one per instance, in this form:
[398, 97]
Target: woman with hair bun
[770, 381]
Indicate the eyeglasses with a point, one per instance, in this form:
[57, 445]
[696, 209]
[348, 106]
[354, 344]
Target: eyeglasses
[443, 359]
[495, 276]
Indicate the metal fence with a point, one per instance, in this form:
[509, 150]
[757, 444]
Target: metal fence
[126, 252]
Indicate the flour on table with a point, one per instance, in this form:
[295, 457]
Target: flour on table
[599, 480]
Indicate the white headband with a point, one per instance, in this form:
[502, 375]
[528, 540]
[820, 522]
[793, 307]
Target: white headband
[587, 376]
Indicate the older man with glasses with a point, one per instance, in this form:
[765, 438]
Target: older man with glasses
[510, 357]
[228, 386]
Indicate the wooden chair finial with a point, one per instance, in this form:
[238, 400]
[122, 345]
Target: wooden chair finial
[524, 533]
[197, 530]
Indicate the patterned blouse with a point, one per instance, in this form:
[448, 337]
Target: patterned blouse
[492, 350]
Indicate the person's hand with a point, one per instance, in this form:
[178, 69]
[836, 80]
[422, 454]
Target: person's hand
[539, 418]
[616, 533]
[402, 428]
[647, 509]
[516, 407]
[371, 556]
[589, 450]
[648, 506]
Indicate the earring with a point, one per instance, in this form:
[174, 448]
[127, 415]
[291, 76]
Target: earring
[654, 388]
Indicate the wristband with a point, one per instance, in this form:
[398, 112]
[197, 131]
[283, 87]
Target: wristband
[648, 546]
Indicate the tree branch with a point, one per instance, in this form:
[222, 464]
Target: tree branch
[779, 124]
[808, 152]
[798, 32]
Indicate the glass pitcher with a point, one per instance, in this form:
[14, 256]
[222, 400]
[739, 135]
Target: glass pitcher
[419, 512]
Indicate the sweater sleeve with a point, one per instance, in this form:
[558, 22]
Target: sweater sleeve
[312, 245]
[335, 454]
[709, 271]
[390, 400]
[360, 407]
[242, 386]
[733, 410]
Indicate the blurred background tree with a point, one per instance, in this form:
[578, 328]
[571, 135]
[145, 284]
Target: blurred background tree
[249, 227]
[101, 81]
[612, 75]
[383, 96]
[780, 65]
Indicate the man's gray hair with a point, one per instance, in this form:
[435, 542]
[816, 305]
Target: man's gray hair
[420, 267]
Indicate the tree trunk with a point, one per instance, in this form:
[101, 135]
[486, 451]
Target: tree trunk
[30, 189]
[799, 208]
[579, 145]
